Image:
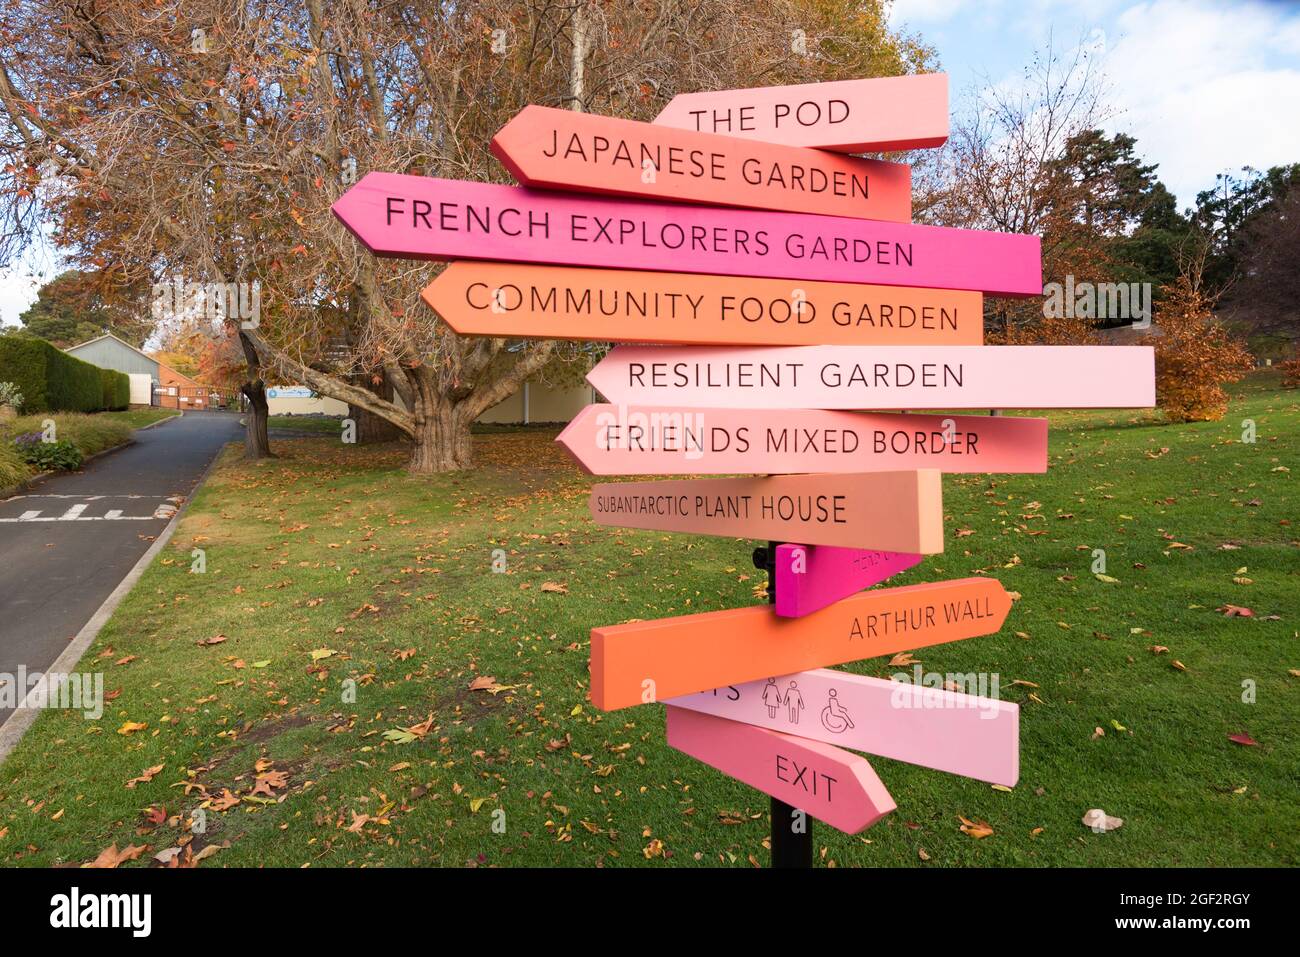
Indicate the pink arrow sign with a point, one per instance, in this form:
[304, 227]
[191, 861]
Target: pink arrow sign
[810, 577]
[976, 737]
[562, 149]
[420, 217]
[880, 377]
[823, 781]
[680, 440]
[850, 116]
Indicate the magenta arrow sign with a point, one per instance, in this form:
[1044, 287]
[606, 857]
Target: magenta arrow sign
[880, 377]
[810, 577]
[420, 217]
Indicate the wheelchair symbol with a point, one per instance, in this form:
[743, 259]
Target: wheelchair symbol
[834, 717]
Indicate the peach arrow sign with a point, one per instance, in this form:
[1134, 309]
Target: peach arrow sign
[645, 661]
[899, 511]
[977, 737]
[682, 440]
[829, 784]
[850, 116]
[625, 305]
[810, 577]
[563, 149]
[880, 377]
[420, 217]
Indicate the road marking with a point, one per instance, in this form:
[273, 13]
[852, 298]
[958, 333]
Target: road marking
[71, 514]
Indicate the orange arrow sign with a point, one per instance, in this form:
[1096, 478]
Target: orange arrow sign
[647, 661]
[892, 511]
[832, 785]
[623, 305]
[561, 149]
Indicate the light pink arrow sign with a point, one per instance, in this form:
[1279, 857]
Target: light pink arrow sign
[977, 737]
[850, 116]
[829, 784]
[810, 577]
[420, 217]
[880, 377]
[679, 440]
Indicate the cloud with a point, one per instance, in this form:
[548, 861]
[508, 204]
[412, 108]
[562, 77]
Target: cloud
[1206, 87]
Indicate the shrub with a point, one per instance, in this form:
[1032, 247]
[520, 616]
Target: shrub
[49, 379]
[115, 389]
[12, 467]
[48, 456]
[1291, 371]
[9, 395]
[1195, 356]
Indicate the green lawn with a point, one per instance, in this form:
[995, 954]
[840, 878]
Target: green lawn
[139, 418]
[306, 423]
[329, 566]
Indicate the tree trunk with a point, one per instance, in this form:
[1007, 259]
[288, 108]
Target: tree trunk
[372, 428]
[257, 444]
[441, 438]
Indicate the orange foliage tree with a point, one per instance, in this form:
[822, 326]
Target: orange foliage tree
[1195, 355]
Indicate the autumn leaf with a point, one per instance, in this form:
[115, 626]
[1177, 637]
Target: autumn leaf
[903, 658]
[976, 829]
[111, 857]
[1243, 739]
[1101, 822]
[321, 653]
[131, 727]
[225, 802]
[145, 776]
[214, 640]
[555, 587]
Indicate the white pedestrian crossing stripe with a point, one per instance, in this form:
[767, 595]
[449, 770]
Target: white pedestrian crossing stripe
[76, 512]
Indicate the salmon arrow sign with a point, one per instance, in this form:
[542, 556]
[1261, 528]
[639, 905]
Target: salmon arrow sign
[977, 737]
[646, 661]
[682, 440]
[850, 116]
[880, 377]
[810, 577]
[900, 511]
[831, 785]
[623, 305]
[563, 149]
[420, 217]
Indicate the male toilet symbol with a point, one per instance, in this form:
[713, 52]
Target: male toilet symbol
[834, 716]
[793, 701]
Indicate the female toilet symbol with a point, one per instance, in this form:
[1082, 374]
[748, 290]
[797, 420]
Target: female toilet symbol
[834, 717]
[771, 697]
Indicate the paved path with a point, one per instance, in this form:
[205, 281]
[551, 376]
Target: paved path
[66, 543]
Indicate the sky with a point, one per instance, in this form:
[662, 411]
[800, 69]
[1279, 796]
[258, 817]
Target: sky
[1205, 86]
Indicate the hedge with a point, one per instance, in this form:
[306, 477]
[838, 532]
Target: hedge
[53, 381]
[116, 389]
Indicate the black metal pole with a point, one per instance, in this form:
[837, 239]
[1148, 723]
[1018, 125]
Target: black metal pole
[792, 843]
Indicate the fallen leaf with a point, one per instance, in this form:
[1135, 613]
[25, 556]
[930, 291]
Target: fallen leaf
[1101, 822]
[111, 857]
[132, 726]
[145, 776]
[1243, 739]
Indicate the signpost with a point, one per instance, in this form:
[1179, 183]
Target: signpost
[766, 323]
[851, 116]
[564, 149]
[810, 577]
[900, 511]
[421, 217]
[880, 377]
[555, 302]
[684, 440]
[646, 661]
[977, 737]
[831, 785]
